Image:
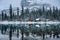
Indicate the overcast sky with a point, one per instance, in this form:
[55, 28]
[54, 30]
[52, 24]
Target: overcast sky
[4, 4]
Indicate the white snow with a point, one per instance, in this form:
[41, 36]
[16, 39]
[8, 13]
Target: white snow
[30, 37]
[18, 22]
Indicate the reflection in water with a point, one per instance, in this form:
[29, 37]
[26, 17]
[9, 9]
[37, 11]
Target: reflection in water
[35, 31]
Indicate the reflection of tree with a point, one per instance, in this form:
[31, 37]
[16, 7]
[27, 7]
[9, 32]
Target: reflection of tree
[10, 32]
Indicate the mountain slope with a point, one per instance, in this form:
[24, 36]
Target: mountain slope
[33, 4]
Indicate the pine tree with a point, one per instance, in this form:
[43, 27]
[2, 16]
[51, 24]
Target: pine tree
[45, 20]
[22, 14]
[40, 12]
[2, 29]
[43, 9]
[57, 14]
[50, 13]
[5, 28]
[22, 26]
[13, 16]
[2, 25]
[10, 12]
[17, 33]
[10, 32]
[27, 11]
[18, 12]
[5, 16]
[2, 15]
[53, 15]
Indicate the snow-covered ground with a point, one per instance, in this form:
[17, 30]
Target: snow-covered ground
[48, 38]
[18, 22]
[6, 37]
[52, 39]
[30, 37]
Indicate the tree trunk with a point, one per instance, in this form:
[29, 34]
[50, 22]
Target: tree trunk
[10, 33]
[17, 33]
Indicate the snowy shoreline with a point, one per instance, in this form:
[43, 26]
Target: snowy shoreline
[18, 22]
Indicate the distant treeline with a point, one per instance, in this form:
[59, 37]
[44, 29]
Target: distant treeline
[26, 14]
